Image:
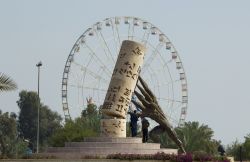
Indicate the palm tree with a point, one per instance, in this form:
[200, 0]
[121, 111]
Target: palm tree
[196, 137]
[6, 83]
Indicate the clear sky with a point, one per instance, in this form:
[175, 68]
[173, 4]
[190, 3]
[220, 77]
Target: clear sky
[212, 38]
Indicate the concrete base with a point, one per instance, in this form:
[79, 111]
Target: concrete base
[102, 146]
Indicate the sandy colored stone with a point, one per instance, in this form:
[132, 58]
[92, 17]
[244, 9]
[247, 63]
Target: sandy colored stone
[113, 127]
[124, 78]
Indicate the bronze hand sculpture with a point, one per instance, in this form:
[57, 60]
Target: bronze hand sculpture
[150, 108]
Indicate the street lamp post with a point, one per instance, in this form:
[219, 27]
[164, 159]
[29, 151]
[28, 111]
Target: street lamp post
[39, 64]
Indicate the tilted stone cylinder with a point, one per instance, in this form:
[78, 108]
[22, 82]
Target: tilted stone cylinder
[121, 87]
[124, 78]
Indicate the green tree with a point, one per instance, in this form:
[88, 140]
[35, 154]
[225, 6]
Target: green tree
[28, 104]
[6, 84]
[91, 118]
[49, 121]
[73, 131]
[7, 133]
[246, 148]
[90, 110]
[10, 144]
[195, 138]
[88, 125]
[198, 137]
[234, 150]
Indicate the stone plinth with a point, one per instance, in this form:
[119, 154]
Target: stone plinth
[113, 127]
[101, 147]
[113, 139]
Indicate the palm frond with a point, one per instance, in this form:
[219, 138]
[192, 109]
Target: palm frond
[6, 83]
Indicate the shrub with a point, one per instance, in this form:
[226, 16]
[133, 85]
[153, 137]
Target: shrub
[171, 157]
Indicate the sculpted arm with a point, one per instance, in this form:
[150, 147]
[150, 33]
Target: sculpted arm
[150, 108]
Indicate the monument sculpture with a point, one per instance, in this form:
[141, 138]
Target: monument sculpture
[122, 84]
[109, 61]
[119, 94]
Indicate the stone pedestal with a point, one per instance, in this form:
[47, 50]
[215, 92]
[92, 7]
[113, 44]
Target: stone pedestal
[102, 146]
[113, 127]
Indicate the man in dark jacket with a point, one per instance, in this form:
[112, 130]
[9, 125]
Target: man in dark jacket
[145, 125]
[221, 150]
[133, 122]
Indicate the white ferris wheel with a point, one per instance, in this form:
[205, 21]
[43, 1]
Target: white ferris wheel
[91, 61]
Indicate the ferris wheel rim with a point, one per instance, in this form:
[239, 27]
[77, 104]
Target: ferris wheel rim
[165, 40]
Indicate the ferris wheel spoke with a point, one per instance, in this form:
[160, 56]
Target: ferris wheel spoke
[132, 36]
[88, 63]
[87, 87]
[128, 30]
[106, 45]
[170, 76]
[133, 30]
[87, 70]
[146, 36]
[172, 119]
[74, 76]
[166, 63]
[158, 85]
[102, 44]
[174, 112]
[171, 100]
[117, 30]
[153, 74]
[107, 71]
[169, 83]
[129, 36]
[152, 57]
[115, 38]
[98, 87]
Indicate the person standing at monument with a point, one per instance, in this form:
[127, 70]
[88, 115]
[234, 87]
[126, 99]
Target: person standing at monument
[221, 150]
[133, 122]
[145, 125]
